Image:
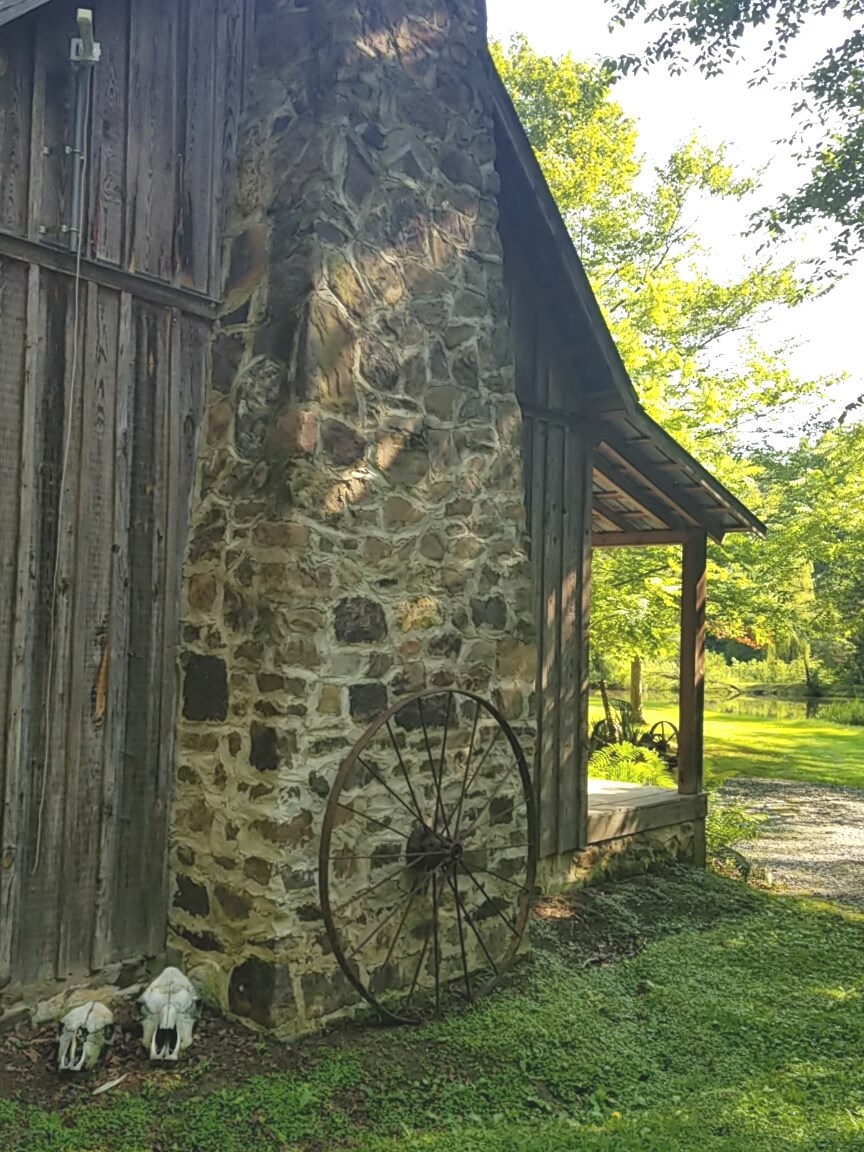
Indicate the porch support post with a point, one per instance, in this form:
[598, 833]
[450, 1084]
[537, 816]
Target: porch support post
[692, 688]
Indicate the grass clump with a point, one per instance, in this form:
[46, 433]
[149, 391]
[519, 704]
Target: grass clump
[844, 712]
[630, 763]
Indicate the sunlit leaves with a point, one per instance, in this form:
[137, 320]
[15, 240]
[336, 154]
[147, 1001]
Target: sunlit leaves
[690, 343]
[830, 113]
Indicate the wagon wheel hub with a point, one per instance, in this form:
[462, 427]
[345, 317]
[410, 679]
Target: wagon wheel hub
[428, 851]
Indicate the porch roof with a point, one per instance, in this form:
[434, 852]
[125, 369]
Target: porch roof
[647, 488]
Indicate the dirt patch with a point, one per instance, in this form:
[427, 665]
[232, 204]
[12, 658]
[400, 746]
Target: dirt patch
[609, 923]
[223, 1053]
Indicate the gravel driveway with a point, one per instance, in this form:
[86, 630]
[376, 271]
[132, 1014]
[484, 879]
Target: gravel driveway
[813, 838]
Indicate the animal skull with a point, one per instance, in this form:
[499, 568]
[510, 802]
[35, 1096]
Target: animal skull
[169, 1008]
[84, 1032]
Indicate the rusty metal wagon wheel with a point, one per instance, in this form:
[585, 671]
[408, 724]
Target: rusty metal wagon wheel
[605, 732]
[428, 855]
[663, 738]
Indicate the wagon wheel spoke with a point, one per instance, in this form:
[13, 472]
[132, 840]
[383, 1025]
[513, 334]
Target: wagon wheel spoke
[399, 928]
[441, 766]
[480, 940]
[395, 744]
[482, 761]
[373, 888]
[428, 929]
[492, 903]
[477, 826]
[417, 970]
[359, 948]
[498, 876]
[453, 881]
[486, 808]
[415, 812]
[372, 819]
[458, 813]
[436, 945]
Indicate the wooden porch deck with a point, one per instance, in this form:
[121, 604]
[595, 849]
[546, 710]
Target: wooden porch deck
[618, 809]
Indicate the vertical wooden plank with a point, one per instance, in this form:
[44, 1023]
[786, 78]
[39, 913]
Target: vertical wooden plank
[108, 138]
[572, 501]
[543, 564]
[56, 27]
[106, 947]
[13, 325]
[538, 500]
[567, 513]
[230, 22]
[189, 340]
[692, 692]
[176, 392]
[37, 160]
[90, 653]
[195, 214]
[552, 584]
[16, 83]
[585, 487]
[528, 423]
[138, 838]
[12, 857]
[249, 47]
[51, 612]
[152, 137]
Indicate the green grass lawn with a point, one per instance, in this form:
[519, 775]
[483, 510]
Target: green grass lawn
[814, 750]
[739, 1027]
[736, 745]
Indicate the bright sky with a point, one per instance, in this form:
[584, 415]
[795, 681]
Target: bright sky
[825, 332]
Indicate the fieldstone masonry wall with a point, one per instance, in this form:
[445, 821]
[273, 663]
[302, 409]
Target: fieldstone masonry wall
[627, 856]
[358, 531]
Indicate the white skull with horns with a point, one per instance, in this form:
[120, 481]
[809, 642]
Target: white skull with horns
[169, 1009]
[84, 1033]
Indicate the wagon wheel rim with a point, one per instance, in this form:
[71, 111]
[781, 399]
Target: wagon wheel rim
[606, 732]
[456, 894]
[664, 734]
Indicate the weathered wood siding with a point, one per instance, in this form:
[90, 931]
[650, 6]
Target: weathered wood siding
[86, 689]
[557, 464]
[164, 107]
[102, 382]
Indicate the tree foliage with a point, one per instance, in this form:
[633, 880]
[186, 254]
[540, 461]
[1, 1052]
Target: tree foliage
[830, 98]
[691, 345]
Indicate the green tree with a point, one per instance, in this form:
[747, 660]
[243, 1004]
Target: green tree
[829, 107]
[688, 340]
[816, 493]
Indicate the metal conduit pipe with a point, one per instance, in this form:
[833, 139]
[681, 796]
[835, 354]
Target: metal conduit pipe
[84, 54]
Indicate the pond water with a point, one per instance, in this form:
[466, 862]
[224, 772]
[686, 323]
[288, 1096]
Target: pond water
[771, 707]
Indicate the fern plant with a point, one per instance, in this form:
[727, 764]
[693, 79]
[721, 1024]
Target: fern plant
[730, 824]
[630, 764]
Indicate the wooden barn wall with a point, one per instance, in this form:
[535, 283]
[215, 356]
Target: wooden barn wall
[98, 423]
[557, 464]
[164, 108]
[88, 672]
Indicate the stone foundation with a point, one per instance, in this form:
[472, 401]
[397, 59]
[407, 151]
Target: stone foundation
[358, 530]
[628, 856]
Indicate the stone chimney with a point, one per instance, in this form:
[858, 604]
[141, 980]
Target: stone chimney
[358, 527]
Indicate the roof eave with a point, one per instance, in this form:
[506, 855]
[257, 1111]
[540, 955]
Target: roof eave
[621, 395]
[11, 9]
